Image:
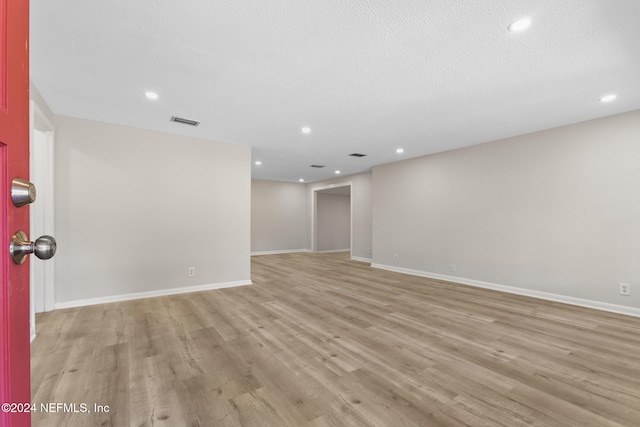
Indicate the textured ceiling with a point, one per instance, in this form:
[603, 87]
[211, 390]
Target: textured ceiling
[366, 76]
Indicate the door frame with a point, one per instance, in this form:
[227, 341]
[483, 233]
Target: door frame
[314, 208]
[43, 156]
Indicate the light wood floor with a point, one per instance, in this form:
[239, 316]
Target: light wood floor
[320, 340]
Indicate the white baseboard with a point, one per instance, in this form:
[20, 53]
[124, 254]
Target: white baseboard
[357, 258]
[149, 294]
[604, 306]
[333, 251]
[286, 251]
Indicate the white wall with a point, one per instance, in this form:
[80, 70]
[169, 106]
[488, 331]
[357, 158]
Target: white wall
[556, 211]
[136, 208]
[278, 216]
[333, 222]
[361, 204]
[281, 217]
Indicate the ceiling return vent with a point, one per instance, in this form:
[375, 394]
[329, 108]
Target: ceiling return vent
[184, 121]
[357, 155]
[317, 166]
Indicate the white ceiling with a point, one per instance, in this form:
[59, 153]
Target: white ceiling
[366, 76]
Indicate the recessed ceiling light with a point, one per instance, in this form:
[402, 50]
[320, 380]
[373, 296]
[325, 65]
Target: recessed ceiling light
[520, 25]
[258, 163]
[301, 180]
[608, 98]
[400, 150]
[306, 129]
[151, 95]
[337, 172]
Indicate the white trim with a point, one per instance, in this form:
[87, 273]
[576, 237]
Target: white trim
[32, 287]
[285, 251]
[149, 294]
[330, 251]
[49, 207]
[598, 305]
[357, 258]
[43, 155]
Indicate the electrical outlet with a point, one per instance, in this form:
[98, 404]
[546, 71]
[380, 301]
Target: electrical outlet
[453, 267]
[624, 289]
[395, 257]
[192, 271]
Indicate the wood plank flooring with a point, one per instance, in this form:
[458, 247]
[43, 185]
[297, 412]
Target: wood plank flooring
[320, 340]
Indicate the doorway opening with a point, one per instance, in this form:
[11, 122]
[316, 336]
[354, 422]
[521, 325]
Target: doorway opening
[332, 219]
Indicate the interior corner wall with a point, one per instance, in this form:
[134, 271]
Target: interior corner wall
[333, 222]
[556, 211]
[278, 216]
[135, 209]
[35, 96]
[360, 203]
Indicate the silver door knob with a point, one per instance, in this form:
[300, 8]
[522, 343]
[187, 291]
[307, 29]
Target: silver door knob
[44, 247]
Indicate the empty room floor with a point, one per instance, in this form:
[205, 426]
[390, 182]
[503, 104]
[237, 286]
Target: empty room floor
[320, 340]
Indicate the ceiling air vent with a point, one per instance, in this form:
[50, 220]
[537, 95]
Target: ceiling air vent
[184, 121]
[317, 166]
[357, 155]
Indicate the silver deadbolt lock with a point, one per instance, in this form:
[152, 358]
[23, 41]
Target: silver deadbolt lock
[44, 247]
[22, 192]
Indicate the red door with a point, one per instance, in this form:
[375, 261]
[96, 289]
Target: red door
[14, 163]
